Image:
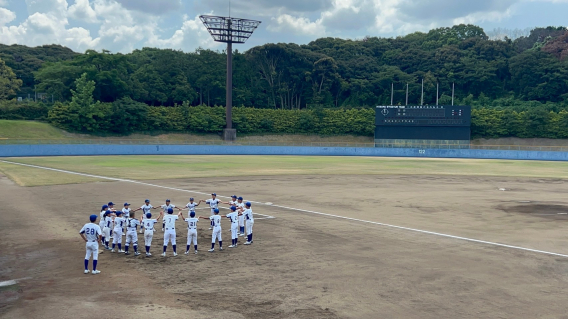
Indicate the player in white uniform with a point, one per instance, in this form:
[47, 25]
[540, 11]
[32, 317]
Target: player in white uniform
[170, 233]
[234, 217]
[125, 214]
[145, 210]
[191, 230]
[131, 235]
[216, 222]
[240, 204]
[112, 209]
[149, 231]
[165, 209]
[213, 204]
[109, 224]
[250, 222]
[102, 222]
[117, 232]
[191, 205]
[92, 235]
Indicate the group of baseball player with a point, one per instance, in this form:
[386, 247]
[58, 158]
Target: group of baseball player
[114, 224]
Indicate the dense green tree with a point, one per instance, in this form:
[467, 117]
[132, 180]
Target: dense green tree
[9, 83]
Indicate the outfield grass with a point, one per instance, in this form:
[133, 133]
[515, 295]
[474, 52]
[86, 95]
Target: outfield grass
[169, 167]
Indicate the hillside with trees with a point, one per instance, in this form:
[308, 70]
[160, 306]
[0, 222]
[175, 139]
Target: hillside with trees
[521, 81]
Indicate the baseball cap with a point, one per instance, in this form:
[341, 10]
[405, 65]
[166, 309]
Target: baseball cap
[110, 203]
[104, 207]
[191, 198]
[214, 194]
[233, 208]
[192, 214]
[126, 204]
[167, 200]
[147, 201]
[118, 212]
[170, 210]
[234, 196]
[216, 211]
[148, 215]
[93, 218]
[240, 198]
[248, 204]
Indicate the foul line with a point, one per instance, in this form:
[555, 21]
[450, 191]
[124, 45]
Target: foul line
[124, 180]
[311, 212]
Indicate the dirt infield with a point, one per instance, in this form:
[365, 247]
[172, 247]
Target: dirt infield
[301, 265]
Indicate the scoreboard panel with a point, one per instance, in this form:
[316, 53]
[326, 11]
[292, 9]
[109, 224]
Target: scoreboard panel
[423, 123]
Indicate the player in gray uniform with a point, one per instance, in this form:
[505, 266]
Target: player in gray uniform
[92, 235]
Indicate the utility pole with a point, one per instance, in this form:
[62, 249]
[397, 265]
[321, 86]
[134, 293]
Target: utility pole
[406, 94]
[392, 93]
[422, 98]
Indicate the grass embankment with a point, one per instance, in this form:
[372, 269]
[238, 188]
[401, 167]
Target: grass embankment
[170, 167]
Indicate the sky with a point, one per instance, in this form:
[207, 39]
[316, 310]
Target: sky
[126, 25]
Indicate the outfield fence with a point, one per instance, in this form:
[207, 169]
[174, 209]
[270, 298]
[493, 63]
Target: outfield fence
[112, 141]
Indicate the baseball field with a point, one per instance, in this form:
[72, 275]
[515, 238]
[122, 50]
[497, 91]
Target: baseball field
[334, 237]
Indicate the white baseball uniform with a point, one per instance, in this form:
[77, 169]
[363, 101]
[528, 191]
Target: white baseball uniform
[107, 228]
[242, 217]
[191, 206]
[117, 231]
[192, 230]
[170, 232]
[131, 234]
[145, 210]
[126, 215]
[149, 231]
[234, 217]
[92, 232]
[250, 220]
[165, 209]
[213, 204]
[216, 223]
[102, 219]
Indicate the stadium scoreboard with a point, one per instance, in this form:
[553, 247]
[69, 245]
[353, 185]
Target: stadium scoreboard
[409, 126]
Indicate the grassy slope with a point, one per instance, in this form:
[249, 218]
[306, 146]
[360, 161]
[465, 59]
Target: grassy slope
[29, 129]
[168, 167]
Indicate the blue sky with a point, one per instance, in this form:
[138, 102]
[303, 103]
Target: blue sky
[125, 25]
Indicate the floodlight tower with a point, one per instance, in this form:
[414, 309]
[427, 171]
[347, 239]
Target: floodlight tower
[229, 30]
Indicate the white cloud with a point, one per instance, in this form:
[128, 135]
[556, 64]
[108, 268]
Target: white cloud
[190, 36]
[83, 11]
[297, 25]
[6, 16]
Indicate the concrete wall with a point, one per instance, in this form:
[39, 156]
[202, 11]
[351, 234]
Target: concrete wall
[98, 149]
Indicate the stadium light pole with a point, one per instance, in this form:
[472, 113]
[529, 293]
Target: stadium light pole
[229, 30]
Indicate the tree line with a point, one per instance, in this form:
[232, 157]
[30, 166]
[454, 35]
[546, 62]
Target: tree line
[328, 72]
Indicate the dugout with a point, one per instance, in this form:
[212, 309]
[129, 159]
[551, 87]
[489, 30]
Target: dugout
[424, 126]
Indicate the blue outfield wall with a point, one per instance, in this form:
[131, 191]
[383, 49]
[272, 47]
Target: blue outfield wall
[102, 149]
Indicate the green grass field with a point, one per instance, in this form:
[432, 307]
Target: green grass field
[29, 130]
[170, 167]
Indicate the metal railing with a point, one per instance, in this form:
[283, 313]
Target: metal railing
[109, 141]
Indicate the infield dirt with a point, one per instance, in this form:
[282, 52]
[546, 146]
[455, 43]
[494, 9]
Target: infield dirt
[301, 265]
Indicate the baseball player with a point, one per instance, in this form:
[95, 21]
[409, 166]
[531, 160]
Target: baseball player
[191, 230]
[145, 210]
[131, 235]
[125, 214]
[112, 209]
[234, 217]
[149, 230]
[118, 222]
[216, 222]
[240, 204]
[170, 233]
[92, 235]
[102, 221]
[214, 205]
[165, 209]
[191, 205]
[108, 226]
[250, 222]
